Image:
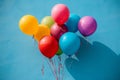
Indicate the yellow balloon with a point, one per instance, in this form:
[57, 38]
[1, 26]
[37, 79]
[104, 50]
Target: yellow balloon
[42, 31]
[28, 24]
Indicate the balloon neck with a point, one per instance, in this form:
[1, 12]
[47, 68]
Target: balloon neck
[59, 57]
[33, 36]
[50, 59]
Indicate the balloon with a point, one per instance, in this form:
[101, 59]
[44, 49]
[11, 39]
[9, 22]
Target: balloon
[60, 13]
[72, 23]
[48, 46]
[87, 25]
[28, 24]
[69, 43]
[57, 30]
[42, 31]
[48, 21]
[59, 52]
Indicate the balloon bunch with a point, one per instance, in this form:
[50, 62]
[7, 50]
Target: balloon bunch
[56, 33]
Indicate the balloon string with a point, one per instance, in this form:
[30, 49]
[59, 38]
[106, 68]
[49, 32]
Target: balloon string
[56, 67]
[53, 69]
[59, 70]
[54, 63]
[59, 67]
[62, 70]
[70, 64]
[42, 70]
[59, 57]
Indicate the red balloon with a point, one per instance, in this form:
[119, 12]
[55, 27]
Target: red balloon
[58, 30]
[60, 13]
[48, 46]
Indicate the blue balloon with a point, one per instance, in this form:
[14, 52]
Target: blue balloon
[72, 23]
[69, 43]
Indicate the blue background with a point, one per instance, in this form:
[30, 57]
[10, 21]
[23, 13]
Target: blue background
[97, 59]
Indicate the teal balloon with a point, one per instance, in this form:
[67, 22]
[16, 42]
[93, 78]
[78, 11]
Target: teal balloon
[72, 23]
[69, 43]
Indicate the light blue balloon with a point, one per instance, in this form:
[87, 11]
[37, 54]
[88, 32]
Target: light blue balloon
[69, 43]
[72, 23]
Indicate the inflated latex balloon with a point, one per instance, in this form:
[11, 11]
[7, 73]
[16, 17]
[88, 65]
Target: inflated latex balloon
[69, 43]
[59, 52]
[87, 25]
[58, 30]
[48, 21]
[42, 31]
[60, 13]
[48, 46]
[72, 23]
[28, 24]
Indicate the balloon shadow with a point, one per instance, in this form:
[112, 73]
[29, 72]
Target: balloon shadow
[94, 62]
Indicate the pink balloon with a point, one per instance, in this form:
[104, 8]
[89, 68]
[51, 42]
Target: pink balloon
[60, 13]
[58, 30]
[87, 25]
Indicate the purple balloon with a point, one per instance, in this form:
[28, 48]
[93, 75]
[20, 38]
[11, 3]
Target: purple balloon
[87, 25]
[58, 30]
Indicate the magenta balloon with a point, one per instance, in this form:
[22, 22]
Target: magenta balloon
[58, 30]
[87, 25]
[60, 13]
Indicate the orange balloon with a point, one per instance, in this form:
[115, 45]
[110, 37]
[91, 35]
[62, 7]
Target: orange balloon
[28, 24]
[42, 31]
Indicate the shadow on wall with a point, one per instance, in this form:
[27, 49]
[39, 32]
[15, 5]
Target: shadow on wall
[95, 62]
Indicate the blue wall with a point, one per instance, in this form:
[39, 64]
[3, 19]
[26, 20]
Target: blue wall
[97, 59]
